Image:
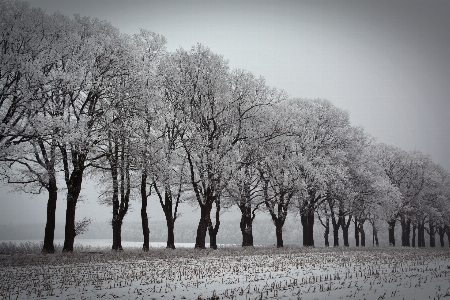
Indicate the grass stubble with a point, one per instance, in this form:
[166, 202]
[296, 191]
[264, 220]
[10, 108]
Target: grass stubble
[228, 273]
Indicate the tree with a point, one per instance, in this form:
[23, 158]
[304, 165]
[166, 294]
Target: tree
[34, 60]
[99, 59]
[321, 132]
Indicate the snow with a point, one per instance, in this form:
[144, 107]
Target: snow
[230, 273]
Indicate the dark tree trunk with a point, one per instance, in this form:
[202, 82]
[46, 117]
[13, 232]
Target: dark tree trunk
[205, 210]
[356, 232]
[432, 233]
[362, 232]
[214, 230]
[117, 234]
[144, 217]
[391, 230]
[170, 235]
[441, 232]
[345, 225]
[374, 235]
[73, 192]
[120, 209]
[307, 219]
[336, 226]
[49, 236]
[279, 233]
[327, 232]
[413, 242]
[246, 225]
[421, 234]
[406, 231]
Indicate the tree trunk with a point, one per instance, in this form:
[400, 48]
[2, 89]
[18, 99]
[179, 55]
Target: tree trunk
[73, 192]
[421, 234]
[49, 236]
[246, 225]
[432, 233]
[327, 232]
[374, 235]
[345, 226]
[413, 242]
[279, 234]
[307, 219]
[117, 234]
[441, 232]
[391, 229]
[356, 232]
[144, 217]
[170, 235]
[406, 231]
[205, 210]
[361, 231]
[336, 226]
[214, 230]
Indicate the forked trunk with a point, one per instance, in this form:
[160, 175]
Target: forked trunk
[345, 225]
[246, 226]
[73, 192]
[205, 210]
[214, 230]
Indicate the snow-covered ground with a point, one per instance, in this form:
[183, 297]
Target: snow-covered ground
[230, 273]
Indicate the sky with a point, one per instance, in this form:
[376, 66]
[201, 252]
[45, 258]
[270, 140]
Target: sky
[386, 62]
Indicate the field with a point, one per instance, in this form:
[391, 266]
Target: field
[229, 273]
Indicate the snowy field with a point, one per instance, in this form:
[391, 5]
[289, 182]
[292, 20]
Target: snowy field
[229, 273]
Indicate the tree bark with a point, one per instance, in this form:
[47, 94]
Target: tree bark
[307, 220]
[432, 233]
[49, 236]
[345, 225]
[362, 232]
[391, 230]
[413, 241]
[421, 234]
[327, 232]
[406, 231]
[214, 230]
[73, 192]
[336, 226]
[205, 210]
[144, 217]
[441, 232]
[246, 225]
[356, 232]
[279, 233]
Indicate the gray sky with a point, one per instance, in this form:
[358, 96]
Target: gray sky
[386, 62]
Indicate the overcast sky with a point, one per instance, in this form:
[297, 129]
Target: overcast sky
[386, 62]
